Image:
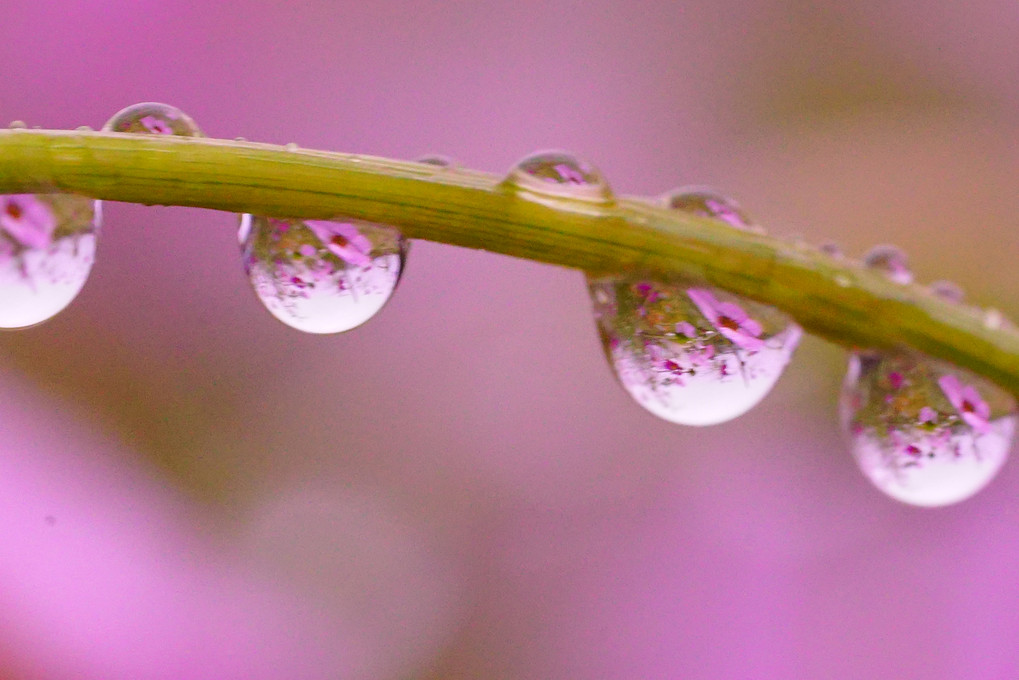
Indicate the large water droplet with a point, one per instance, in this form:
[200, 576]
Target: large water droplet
[924, 432]
[47, 246]
[689, 354]
[153, 118]
[318, 276]
[556, 176]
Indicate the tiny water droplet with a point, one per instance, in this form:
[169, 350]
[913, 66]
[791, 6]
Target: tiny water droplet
[924, 432]
[831, 249]
[84, 128]
[947, 290]
[240, 139]
[291, 146]
[18, 125]
[557, 177]
[690, 354]
[687, 353]
[47, 246]
[890, 261]
[153, 118]
[706, 202]
[321, 276]
[436, 159]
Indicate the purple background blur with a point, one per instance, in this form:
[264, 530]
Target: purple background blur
[459, 489]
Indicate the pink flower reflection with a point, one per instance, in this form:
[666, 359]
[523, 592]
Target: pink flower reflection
[344, 241]
[156, 126]
[27, 220]
[967, 401]
[729, 318]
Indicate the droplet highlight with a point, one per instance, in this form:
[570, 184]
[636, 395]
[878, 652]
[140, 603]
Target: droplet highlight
[321, 276]
[558, 177]
[924, 432]
[47, 247]
[153, 118]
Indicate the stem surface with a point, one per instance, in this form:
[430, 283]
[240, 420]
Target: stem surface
[833, 298]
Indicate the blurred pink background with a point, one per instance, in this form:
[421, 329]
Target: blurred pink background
[459, 489]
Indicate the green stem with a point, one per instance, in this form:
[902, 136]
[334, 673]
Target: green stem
[832, 298]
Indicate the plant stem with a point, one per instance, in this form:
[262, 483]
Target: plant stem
[833, 298]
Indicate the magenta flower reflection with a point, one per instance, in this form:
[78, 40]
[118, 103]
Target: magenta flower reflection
[156, 126]
[27, 220]
[967, 401]
[344, 241]
[729, 318]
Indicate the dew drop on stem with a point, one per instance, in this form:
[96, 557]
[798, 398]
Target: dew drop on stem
[321, 276]
[686, 352]
[924, 432]
[47, 246]
[559, 178]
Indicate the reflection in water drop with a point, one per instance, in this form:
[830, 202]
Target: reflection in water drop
[558, 175]
[47, 246]
[691, 355]
[321, 277]
[924, 432]
[153, 118]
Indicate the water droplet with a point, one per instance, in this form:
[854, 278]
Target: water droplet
[922, 431]
[319, 276]
[890, 261]
[240, 139]
[153, 118]
[947, 290]
[18, 125]
[556, 176]
[690, 354]
[84, 128]
[437, 160]
[831, 249]
[291, 146]
[706, 202]
[47, 246]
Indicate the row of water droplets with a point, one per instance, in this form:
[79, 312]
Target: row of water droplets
[924, 432]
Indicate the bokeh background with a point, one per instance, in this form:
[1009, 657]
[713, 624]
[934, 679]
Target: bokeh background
[459, 489]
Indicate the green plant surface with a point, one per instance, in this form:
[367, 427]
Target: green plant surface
[833, 298]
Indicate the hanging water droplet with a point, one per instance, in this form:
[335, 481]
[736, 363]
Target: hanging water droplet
[18, 125]
[947, 290]
[706, 202]
[687, 353]
[890, 261]
[153, 118]
[558, 177]
[291, 146]
[319, 276]
[924, 432]
[47, 246]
